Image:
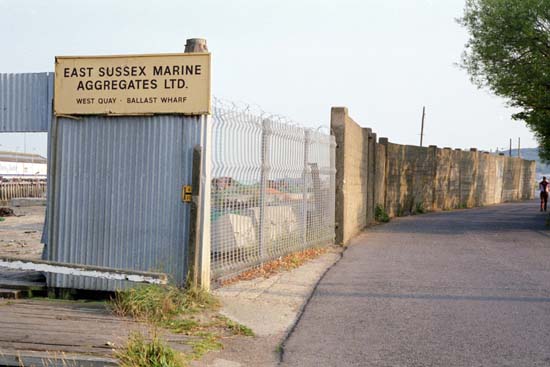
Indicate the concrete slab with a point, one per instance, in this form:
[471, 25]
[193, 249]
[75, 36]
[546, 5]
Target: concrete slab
[270, 307]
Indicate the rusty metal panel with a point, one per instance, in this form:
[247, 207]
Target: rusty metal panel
[115, 197]
[26, 102]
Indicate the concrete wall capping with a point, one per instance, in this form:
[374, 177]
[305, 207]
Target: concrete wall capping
[403, 179]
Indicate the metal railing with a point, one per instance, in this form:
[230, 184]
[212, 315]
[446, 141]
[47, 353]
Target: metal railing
[21, 189]
[273, 188]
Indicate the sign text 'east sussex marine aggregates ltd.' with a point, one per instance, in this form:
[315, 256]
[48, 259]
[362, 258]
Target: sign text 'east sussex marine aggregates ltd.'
[133, 85]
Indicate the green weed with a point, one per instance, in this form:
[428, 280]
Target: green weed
[400, 210]
[380, 214]
[419, 208]
[140, 352]
[182, 326]
[234, 327]
[206, 343]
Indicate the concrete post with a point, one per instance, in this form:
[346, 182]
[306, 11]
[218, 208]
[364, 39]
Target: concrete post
[205, 203]
[338, 127]
[385, 142]
[203, 272]
[433, 154]
[196, 45]
[370, 176]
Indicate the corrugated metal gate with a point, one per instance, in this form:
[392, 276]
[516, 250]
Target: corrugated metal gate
[26, 105]
[116, 195]
[114, 184]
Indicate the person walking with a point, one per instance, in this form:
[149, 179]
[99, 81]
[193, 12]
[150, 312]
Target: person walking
[543, 187]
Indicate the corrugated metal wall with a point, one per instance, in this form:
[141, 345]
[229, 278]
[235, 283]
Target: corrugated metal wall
[115, 197]
[25, 102]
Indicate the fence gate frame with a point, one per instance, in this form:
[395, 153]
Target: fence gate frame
[27, 107]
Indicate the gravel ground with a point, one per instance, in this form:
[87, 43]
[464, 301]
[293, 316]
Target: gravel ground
[20, 235]
[460, 288]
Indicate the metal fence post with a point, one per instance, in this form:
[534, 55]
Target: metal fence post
[264, 175]
[307, 139]
[204, 202]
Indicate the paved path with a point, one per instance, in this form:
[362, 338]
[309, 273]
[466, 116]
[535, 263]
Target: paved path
[462, 288]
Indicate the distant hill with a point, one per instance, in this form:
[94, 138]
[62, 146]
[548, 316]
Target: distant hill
[533, 155]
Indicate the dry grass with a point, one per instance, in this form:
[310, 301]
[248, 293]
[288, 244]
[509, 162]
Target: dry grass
[191, 312]
[285, 263]
[156, 304]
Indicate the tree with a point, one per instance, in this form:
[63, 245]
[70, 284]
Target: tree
[509, 52]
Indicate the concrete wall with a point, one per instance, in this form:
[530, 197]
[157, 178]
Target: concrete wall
[352, 157]
[404, 179]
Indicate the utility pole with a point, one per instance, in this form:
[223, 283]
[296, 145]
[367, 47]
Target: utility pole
[422, 126]
[510, 151]
[519, 147]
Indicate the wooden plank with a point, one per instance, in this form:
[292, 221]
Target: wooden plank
[40, 329]
[35, 347]
[19, 358]
[60, 313]
[44, 303]
[81, 310]
[83, 338]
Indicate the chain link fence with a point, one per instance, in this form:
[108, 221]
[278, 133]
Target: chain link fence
[273, 188]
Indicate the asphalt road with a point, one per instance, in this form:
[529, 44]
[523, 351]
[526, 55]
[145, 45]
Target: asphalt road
[461, 288]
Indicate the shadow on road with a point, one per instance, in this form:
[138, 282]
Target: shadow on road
[497, 218]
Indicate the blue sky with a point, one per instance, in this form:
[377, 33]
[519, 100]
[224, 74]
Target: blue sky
[384, 60]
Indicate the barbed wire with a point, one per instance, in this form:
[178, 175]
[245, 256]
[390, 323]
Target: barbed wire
[223, 107]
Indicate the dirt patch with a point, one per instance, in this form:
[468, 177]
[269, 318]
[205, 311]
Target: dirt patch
[21, 233]
[6, 212]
